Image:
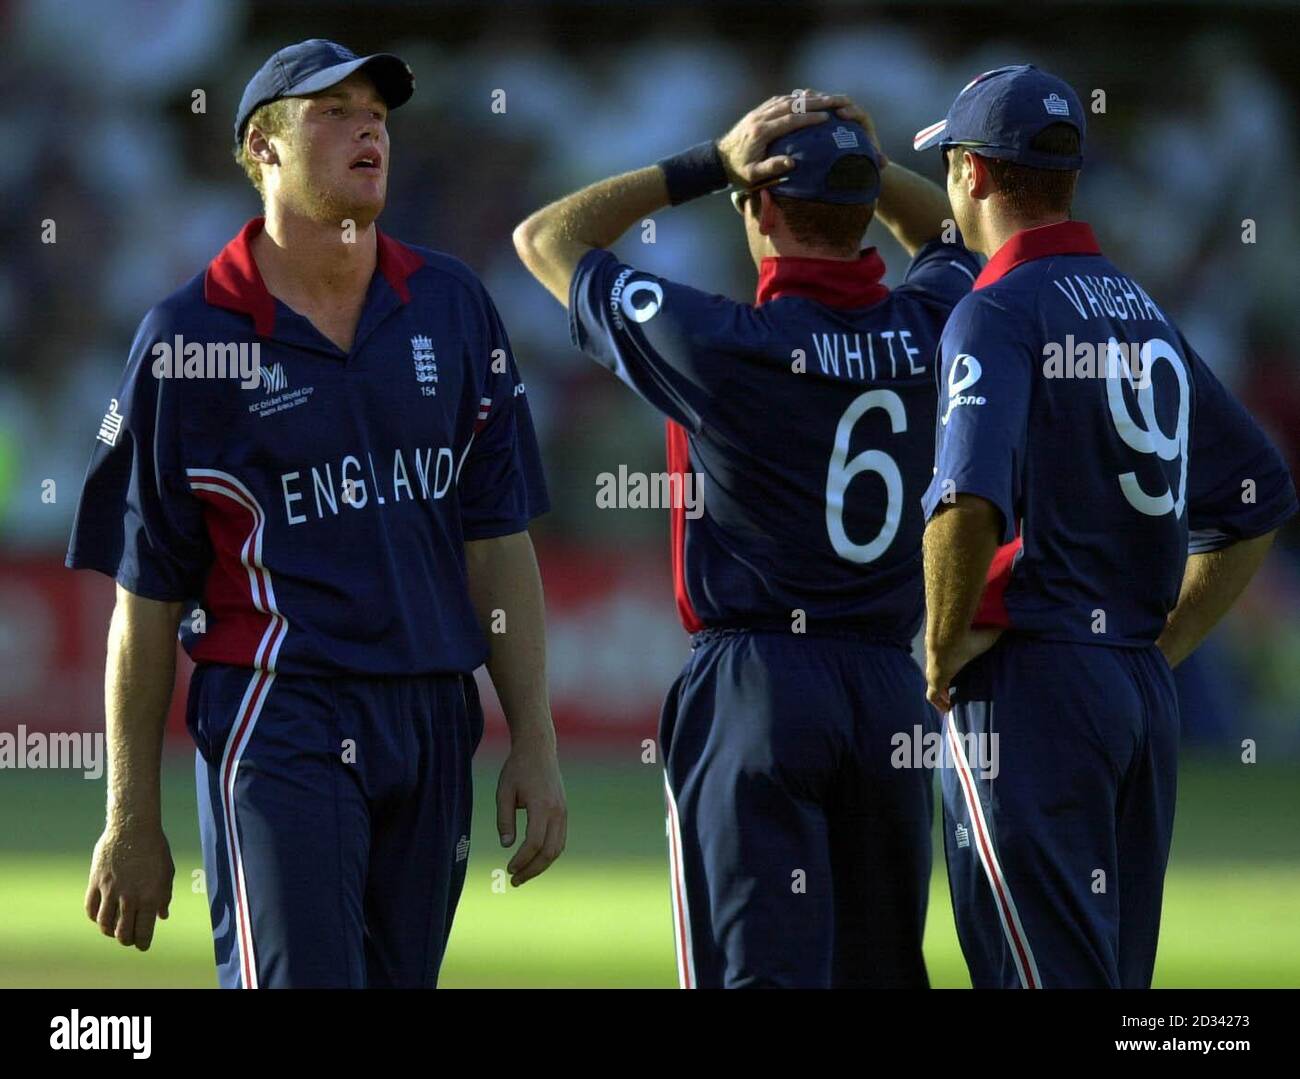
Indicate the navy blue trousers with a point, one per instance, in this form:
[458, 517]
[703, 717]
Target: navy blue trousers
[800, 856]
[335, 820]
[1059, 811]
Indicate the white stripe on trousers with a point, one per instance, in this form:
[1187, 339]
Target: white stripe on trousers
[1021, 953]
[681, 908]
[259, 688]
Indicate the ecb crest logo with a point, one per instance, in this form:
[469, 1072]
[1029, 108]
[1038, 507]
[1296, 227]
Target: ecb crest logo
[426, 365]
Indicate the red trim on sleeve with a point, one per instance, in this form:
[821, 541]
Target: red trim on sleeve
[992, 610]
[1062, 238]
[679, 463]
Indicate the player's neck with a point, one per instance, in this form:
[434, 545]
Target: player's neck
[312, 259]
[790, 248]
[997, 232]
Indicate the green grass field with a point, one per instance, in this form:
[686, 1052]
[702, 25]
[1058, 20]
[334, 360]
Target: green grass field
[600, 917]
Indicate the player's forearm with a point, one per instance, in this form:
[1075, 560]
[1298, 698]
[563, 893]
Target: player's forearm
[552, 241]
[913, 208]
[505, 587]
[960, 542]
[138, 682]
[1211, 584]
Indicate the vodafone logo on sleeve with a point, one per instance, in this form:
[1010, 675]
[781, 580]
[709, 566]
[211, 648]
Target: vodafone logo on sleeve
[959, 381]
[638, 301]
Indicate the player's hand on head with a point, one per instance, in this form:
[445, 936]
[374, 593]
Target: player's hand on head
[530, 780]
[744, 147]
[130, 884]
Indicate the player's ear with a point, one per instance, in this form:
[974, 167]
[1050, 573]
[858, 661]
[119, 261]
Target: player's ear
[976, 176]
[259, 147]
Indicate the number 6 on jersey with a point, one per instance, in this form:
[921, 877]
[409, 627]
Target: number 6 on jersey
[841, 473]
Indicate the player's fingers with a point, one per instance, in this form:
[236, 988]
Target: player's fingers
[783, 110]
[783, 125]
[938, 698]
[93, 898]
[506, 803]
[126, 922]
[564, 828]
[108, 912]
[769, 169]
[820, 99]
[797, 104]
[534, 837]
[550, 849]
[770, 108]
[557, 835]
[772, 105]
[815, 101]
[541, 815]
[144, 924]
[855, 113]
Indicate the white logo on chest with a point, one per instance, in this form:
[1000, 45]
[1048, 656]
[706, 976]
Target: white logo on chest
[426, 364]
[274, 379]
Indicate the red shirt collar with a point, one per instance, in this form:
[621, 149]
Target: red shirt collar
[234, 282]
[833, 282]
[1062, 238]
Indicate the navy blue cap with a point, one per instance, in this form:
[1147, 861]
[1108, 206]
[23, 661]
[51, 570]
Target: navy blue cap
[815, 149]
[999, 113]
[315, 65]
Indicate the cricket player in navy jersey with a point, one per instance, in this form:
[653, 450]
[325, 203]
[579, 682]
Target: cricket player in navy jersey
[800, 857]
[1099, 501]
[349, 526]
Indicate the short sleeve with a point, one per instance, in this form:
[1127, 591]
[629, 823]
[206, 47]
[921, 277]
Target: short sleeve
[137, 520]
[1237, 484]
[501, 483]
[657, 336]
[943, 271]
[985, 384]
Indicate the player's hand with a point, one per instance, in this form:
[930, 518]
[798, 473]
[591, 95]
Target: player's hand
[744, 147]
[131, 875]
[941, 669]
[530, 780]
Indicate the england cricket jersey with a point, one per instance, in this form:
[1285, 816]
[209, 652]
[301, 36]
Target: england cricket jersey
[1070, 401]
[315, 502]
[800, 430]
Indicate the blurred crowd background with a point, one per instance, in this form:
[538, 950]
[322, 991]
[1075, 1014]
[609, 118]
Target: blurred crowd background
[101, 136]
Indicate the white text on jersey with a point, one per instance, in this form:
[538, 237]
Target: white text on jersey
[834, 349]
[330, 491]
